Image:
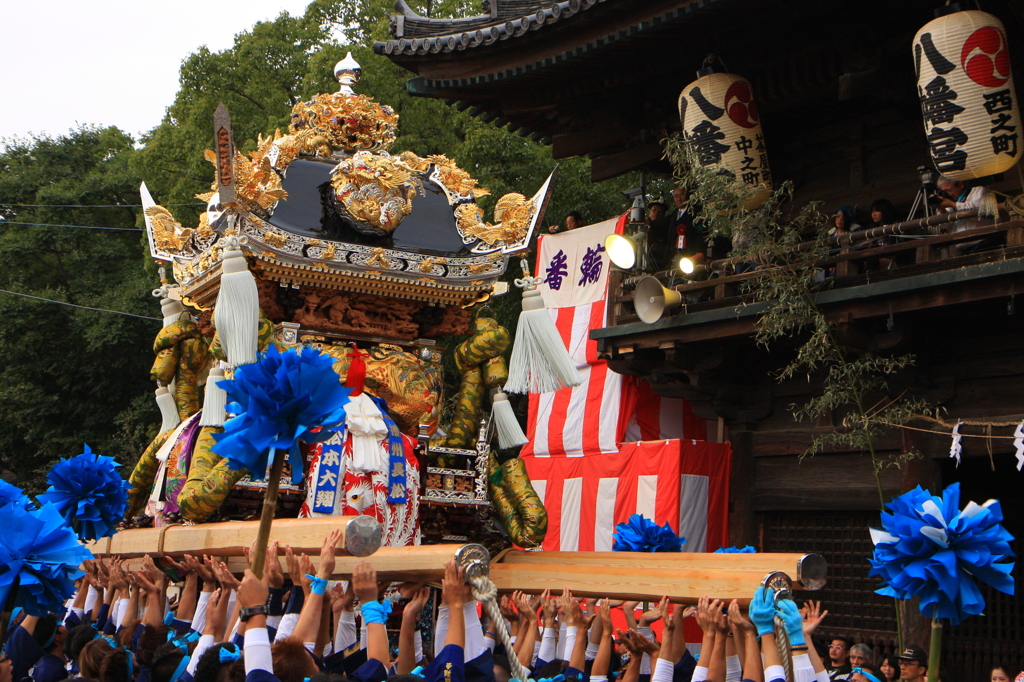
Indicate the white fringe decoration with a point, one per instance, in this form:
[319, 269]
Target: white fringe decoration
[989, 207]
[168, 410]
[215, 400]
[237, 313]
[510, 434]
[540, 362]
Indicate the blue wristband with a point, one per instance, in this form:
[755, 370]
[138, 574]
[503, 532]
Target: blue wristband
[317, 585]
[376, 612]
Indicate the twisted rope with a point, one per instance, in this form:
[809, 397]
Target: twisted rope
[486, 593]
[782, 644]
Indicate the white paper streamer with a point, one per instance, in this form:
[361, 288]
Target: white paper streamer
[1018, 442]
[956, 449]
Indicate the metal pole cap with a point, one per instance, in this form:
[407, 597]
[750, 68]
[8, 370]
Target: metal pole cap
[475, 560]
[363, 536]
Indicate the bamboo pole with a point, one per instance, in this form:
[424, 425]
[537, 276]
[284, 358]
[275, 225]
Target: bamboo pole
[259, 553]
[935, 650]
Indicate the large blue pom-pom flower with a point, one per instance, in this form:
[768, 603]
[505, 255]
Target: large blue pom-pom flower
[640, 534]
[932, 549]
[89, 494]
[40, 555]
[278, 400]
[13, 494]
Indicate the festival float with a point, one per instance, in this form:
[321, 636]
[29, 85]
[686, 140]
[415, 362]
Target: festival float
[308, 308]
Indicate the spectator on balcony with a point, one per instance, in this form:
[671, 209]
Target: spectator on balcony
[913, 664]
[861, 654]
[844, 221]
[965, 197]
[838, 665]
[882, 213]
[573, 220]
[660, 238]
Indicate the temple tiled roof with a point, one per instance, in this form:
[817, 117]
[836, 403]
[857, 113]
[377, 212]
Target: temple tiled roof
[503, 19]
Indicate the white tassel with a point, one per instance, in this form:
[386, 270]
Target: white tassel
[215, 400]
[171, 310]
[989, 207]
[510, 434]
[540, 362]
[237, 313]
[168, 410]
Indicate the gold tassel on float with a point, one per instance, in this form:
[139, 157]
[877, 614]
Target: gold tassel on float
[215, 400]
[540, 362]
[237, 312]
[168, 410]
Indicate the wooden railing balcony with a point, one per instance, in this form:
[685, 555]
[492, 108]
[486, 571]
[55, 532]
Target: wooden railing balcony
[928, 265]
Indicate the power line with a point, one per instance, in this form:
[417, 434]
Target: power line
[4, 203]
[81, 307]
[77, 227]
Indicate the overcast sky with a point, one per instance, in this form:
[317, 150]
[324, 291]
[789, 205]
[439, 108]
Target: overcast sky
[108, 62]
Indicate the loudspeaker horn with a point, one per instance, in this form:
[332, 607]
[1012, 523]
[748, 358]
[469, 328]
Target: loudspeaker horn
[651, 299]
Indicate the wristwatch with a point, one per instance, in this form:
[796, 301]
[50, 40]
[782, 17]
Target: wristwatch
[247, 612]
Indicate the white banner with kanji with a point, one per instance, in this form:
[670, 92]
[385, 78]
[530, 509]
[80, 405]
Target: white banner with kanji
[574, 265]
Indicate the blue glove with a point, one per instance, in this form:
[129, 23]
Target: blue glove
[762, 611]
[794, 622]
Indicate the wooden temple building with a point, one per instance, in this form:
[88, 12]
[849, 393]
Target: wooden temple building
[835, 85]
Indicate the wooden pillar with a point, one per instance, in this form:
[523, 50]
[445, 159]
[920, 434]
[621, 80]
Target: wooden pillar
[742, 522]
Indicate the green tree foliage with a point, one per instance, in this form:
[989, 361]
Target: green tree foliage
[72, 376]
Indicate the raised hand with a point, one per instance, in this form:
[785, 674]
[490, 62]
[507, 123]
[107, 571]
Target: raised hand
[226, 579]
[364, 582]
[251, 591]
[272, 573]
[812, 616]
[327, 551]
[453, 585]
[738, 620]
[549, 607]
[418, 601]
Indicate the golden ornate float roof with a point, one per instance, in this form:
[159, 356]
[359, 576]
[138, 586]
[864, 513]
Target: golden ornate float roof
[328, 205]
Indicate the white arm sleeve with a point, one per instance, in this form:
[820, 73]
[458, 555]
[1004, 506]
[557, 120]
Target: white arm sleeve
[345, 635]
[287, 626]
[204, 643]
[560, 646]
[199, 619]
[700, 673]
[90, 599]
[417, 640]
[440, 630]
[733, 669]
[122, 613]
[663, 671]
[570, 642]
[645, 662]
[803, 669]
[475, 644]
[548, 645]
[257, 651]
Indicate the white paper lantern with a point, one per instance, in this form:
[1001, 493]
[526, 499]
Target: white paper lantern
[723, 127]
[968, 101]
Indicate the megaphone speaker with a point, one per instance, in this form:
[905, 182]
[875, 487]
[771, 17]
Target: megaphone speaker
[651, 299]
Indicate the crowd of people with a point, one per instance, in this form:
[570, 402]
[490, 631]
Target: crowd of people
[121, 627]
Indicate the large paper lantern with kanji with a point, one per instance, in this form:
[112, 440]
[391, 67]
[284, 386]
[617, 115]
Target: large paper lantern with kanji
[968, 101]
[723, 128]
